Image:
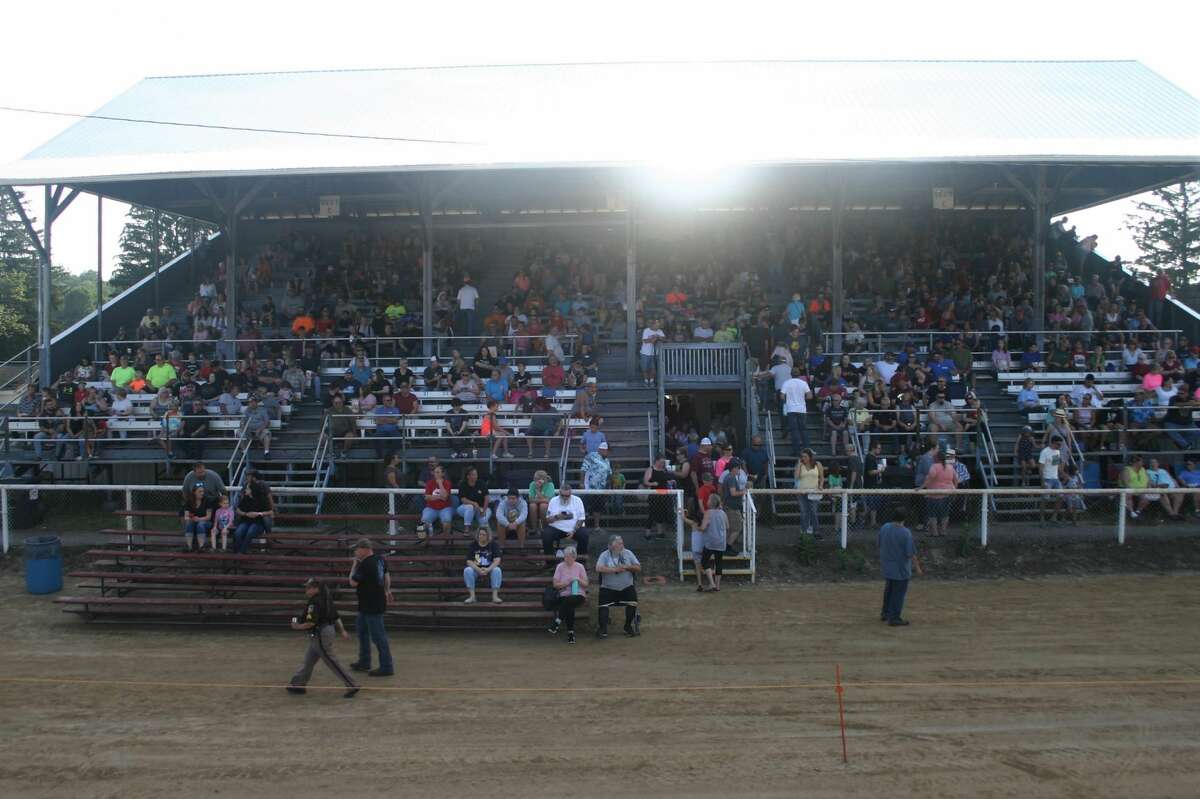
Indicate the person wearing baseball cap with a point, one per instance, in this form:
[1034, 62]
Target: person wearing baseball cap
[597, 474]
[320, 620]
[701, 464]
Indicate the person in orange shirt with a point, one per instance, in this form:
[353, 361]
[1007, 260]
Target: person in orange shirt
[138, 384]
[303, 324]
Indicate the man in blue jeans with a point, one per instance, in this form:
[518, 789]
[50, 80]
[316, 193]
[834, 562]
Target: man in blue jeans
[897, 559]
[370, 579]
[796, 393]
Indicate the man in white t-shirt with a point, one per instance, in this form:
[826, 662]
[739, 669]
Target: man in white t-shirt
[1050, 461]
[651, 335]
[703, 331]
[565, 514]
[796, 393]
[468, 299]
[887, 367]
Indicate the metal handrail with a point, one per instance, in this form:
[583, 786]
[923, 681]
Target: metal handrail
[562, 461]
[772, 481]
[237, 459]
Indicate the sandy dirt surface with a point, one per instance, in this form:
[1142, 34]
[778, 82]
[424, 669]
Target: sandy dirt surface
[187, 729]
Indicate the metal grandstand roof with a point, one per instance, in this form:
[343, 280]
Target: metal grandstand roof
[790, 112]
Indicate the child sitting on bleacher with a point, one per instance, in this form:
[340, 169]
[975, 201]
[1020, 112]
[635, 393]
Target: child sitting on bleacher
[222, 523]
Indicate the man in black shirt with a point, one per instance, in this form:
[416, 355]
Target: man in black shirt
[435, 376]
[320, 619]
[456, 426]
[370, 579]
[483, 560]
[195, 426]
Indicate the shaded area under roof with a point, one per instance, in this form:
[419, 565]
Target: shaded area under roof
[546, 116]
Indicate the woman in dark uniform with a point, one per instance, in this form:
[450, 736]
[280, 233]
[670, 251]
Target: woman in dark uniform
[320, 620]
[661, 508]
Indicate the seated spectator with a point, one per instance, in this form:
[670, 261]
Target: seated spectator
[1028, 400]
[618, 568]
[511, 514]
[253, 515]
[258, 423]
[552, 374]
[541, 491]
[1180, 425]
[483, 560]
[437, 504]
[565, 517]
[571, 582]
[1031, 359]
[197, 518]
[1161, 478]
[1134, 476]
[1189, 477]
[435, 376]
[493, 427]
[944, 419]
[474, 505]
[587, 402]
[387, 425]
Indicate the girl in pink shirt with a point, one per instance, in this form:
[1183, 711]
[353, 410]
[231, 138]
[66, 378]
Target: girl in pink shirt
[571, 582]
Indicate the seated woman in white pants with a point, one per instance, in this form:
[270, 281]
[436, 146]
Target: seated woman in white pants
[483, 560]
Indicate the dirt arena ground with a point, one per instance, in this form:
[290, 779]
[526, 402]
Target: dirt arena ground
[1058, 686]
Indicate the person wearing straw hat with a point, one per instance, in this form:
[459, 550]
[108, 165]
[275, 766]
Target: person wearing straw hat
[320, 620]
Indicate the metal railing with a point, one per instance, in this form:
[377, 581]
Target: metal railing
[515, 348]
[706, 362]
[236, 467]
[750, 532]
[897, 339]
[977, 511]
[17, 372]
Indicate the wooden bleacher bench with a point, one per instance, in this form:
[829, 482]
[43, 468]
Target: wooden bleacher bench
[1070, 377]
[1067, 388]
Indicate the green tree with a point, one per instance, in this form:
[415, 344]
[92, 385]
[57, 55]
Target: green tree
[18, 280]
[137, 243]
[1166, 229]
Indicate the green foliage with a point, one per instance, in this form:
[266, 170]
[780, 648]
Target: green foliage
[175, 235]
[1167, 230]
[806, 549]
[72, 296]
[851, 560]
[18, 280]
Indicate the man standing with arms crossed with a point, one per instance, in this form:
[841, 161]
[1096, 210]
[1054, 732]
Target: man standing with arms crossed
[796, 393]
[897, 559]
[370, 579]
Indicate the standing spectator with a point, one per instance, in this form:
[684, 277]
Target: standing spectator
[372, 583]
[597, 472]
[714, 527]
[1051, 462]
[874, 466]
[202, 475]
[652, 334]
[571, 582]
[897, 560]
[796, 393]
[1160, 287]
[1023, 458]
[660, 510]
[343, 427]
[387, 425]
[566, 516]
[757, 461]
[483, 560]
[511, 514]
[618, 568]
[195, 430]
[733, 491]
[809, 478]
[593, 437]
[468, 300]
[941, 479]
[541, 491]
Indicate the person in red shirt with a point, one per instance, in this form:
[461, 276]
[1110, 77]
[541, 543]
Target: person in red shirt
[552, 374]
[707, 489]
[437, 504]
[1160, 287]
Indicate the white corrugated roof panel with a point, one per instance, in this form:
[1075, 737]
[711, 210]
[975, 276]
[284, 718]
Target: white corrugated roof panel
[630, 113]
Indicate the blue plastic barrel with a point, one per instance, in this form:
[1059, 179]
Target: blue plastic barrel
[43, 564]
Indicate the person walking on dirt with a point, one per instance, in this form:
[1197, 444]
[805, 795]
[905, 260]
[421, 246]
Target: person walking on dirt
[897, 560]
[320, 620]
[369, 577]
